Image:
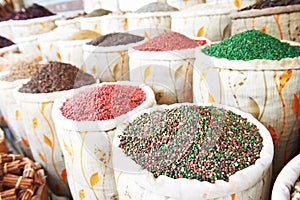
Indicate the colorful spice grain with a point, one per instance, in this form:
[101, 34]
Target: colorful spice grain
[103, 102]
[115, 39]
[156, 7]
[250, 45]
[194, 142]
[57, 76]
[4, 42]
[166, 42]
[271, 3]
[21, 71]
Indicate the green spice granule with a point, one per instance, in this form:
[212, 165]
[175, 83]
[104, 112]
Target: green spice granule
[250, 45]
[194, 142]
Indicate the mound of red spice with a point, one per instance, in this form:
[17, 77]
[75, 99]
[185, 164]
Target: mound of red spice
[103, 102]
[167, 42]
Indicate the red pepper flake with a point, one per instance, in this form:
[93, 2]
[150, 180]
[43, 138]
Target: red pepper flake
[103, 102]
[166, 42]
[201, 42]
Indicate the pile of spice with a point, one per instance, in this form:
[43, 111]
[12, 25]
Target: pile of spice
[270, 3]
[250, 45]
[167, 42]
[20, 178]
[21, 71]
[57, 76]
[193, 142]
[115, 39]
[296, 190]
[156, 7]
[98, 13]
[84, 35]
[34, 11]
[4, 42]
[103, 102]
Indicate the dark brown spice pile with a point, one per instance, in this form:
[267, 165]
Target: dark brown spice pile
[31, 12]
[271, 3]
[57, 76]
[115, 39]
[4, 42]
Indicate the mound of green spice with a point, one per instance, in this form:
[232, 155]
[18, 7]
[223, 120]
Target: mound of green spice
[250, 45]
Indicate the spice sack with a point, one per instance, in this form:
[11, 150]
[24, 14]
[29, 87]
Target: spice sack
[165, 63]
[35, 100]
[258, 74]
[86, 121]
[192, 151]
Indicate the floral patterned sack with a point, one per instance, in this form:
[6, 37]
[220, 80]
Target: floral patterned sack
[281, 22]
[87, 147]
[267, 89]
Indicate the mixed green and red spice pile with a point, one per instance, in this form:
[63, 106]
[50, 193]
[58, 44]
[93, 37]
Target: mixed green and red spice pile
[103, 102]
[194, 142]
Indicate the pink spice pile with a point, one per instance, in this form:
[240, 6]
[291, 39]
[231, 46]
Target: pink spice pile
[167, 42]
[103, 103]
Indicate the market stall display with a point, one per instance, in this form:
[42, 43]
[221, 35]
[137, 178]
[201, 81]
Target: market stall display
[35, 100]
[274, 17]
[225, 72]
[193, 151]
[78, 95]
[103, 107]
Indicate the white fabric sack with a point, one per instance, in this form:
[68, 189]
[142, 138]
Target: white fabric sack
[29, 27]
[11, 113]
[86, 146]
[281, 22]
[252, 182]
[36, 113]
[286, 180]
[72, 52]
[211, 21]
[267, 89]
[108, 64]
[168, 73]
[149, 24]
